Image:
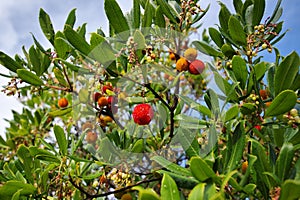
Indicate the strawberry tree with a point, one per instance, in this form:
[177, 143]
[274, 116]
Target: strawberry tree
[140, 112]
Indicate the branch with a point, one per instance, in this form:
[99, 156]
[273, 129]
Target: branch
[111, 192]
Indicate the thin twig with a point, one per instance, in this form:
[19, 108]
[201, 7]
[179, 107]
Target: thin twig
[110, 192]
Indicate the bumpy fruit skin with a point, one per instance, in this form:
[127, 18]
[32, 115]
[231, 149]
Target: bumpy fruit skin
[263, 94]
[63, 102]
[257, 127]
[91, 137]
[172, 56]
[196, 67]
[182, 65]
[126, 196]
[142, 114]
[102, 101]
[96, 96]
[191, 54]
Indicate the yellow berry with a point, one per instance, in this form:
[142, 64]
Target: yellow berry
[190, 54]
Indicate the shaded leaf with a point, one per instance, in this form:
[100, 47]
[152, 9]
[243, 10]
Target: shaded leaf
[206, 49]
[216, 37]
[8, 189]
[284, 161]
[136, 14]
[9, 63]
[168, 11]
[236, 31]
[258, 11]
[46, 25]
[116, 18]
[61, 139]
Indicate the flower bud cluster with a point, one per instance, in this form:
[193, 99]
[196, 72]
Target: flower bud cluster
[119, 178]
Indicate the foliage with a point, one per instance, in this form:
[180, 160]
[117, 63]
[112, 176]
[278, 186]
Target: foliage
[230, 132]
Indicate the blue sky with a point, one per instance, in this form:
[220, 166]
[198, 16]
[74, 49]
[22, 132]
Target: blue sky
[20, 17]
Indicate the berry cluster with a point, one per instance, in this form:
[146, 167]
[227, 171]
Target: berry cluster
[189, 62]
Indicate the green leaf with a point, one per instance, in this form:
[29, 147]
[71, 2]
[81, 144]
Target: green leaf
[35, 59]
[216, 37]
[237, 142]
[169, 188]
[146, 194]
[248, 108]
[29, 77]
[9, 188]
[224, 16]
[276, 12]
[60, 112]
[138, 146]
[239, 69]
[206, 49]
[282, 103]
[286, 72]
[43, 154]
[257, 73]
[60, 77]
[116, 18]
[236, 31]
[159, 18]
[238, 4]
[201, 170]
[197, 192]
[46, 25]
[231, 113]
[148, 15]
[196, 106]
[24, 155]
[227, 88]
[139, 39]
[61, 139]
[9, 63]
[290, 190]
[168, 11]
[258, 11]
[136, 14]
[187, 140]
[228, 51]
[284, 161]
[187, 182]
[61, 46]
[77, 41]
[177, 169]
[71, 19]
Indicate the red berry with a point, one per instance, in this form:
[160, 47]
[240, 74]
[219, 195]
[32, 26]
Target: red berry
[142, 114]
[96, 96]
[106, 87]
[257, 127]
[196, 67]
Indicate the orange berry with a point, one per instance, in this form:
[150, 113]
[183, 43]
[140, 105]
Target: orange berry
[63, 102]
[264, 94]
[190, 54]
[244, 166]
[91, 137]
[182, 65]
[102, 101]
[268, 103]
[172, 56]
[126, 196]
[87, 125]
